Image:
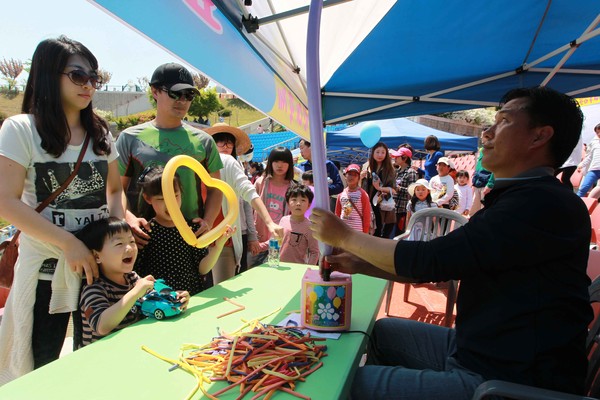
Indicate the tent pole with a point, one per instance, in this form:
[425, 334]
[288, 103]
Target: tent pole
[315, 117]
[574, 46]
[297, 11]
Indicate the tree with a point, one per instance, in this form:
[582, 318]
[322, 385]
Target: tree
[477, 116]
[236, 102]
[104, 75]
[205, 103]
[10, 70]
[200, 81]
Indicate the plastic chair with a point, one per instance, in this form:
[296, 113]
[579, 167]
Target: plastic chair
[425, 225]
[495, 388]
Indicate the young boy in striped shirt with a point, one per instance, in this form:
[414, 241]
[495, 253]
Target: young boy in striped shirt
[106, 304]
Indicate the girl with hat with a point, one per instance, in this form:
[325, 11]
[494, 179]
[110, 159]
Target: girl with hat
[420, 197]
[228, 139]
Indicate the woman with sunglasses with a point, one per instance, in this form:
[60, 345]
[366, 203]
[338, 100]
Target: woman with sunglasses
[38, 152]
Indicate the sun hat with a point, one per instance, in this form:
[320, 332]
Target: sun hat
[174, 77]
[352, 167]
[242, 141]
[447, 161]
[419, 182]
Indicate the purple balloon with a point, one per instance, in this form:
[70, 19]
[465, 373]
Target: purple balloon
[315, 117]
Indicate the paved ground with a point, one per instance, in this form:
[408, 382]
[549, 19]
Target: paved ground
[426, 302]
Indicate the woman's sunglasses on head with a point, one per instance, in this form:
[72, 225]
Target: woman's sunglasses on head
[187, 95]
[81, 78]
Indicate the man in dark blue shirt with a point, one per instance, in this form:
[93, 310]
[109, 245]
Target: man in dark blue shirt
[523, 306]
[334, 180]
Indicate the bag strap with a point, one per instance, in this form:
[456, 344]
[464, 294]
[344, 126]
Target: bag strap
[66, 183]
[356, 208]
[54, 194]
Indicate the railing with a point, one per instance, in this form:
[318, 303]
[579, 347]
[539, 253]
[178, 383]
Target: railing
[268, 149]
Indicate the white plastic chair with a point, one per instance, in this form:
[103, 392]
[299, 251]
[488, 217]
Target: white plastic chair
[426, 225]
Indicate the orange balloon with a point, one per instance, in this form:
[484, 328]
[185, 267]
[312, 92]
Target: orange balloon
[170, 201]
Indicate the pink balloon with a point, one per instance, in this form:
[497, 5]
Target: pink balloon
[331, 293]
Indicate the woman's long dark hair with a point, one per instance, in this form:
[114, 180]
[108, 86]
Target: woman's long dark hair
[386, 172]
[281, 153]
[42, 97]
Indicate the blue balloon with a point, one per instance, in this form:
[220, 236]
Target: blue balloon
[370, 134]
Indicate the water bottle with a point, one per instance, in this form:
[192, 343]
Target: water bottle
[273, 258]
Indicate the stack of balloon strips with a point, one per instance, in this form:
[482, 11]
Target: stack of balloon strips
[262, 360]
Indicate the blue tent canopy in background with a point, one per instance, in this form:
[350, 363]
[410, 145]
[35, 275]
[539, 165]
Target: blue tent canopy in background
[400, 130]
[346, 146]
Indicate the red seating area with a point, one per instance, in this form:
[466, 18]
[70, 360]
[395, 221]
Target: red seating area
[466, 162]
[463, 161]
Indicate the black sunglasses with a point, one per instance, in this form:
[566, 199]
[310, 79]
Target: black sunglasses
[81, 78]
[187, 95]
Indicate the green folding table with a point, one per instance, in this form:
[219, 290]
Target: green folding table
[116, 367]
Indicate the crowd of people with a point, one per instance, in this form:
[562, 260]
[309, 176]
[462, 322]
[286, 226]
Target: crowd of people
[113, 229]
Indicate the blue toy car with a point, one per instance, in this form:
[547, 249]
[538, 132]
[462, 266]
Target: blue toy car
[159, 303]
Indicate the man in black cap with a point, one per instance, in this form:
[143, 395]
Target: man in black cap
[155, 142]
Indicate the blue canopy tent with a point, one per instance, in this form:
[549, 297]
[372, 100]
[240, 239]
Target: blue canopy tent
[378, 59]
[346, 145]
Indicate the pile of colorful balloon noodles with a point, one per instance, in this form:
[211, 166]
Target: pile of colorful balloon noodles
[263, 360]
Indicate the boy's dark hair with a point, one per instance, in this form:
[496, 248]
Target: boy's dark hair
[150, 184]
[299, 190]
[462, 172]
[308, 176]
[546, 106]
[95, 233]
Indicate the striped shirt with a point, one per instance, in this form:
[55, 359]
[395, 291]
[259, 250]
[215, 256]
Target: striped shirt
[357, 216]
[99, 296]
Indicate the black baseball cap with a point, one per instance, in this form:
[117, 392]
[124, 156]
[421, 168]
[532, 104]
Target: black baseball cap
[173, 76]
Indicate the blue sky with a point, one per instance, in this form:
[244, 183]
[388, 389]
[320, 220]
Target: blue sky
[119, 49]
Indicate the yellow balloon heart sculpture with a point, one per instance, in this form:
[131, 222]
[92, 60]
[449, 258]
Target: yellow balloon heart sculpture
[175, 212]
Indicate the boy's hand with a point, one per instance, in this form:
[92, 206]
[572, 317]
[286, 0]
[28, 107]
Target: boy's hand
[144, 285]
[183, 296]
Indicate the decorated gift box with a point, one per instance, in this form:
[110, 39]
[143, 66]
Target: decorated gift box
[326, 305]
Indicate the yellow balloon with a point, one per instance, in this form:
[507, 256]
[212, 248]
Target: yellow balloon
[313, 297]
[169, 194]
[337, 302]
